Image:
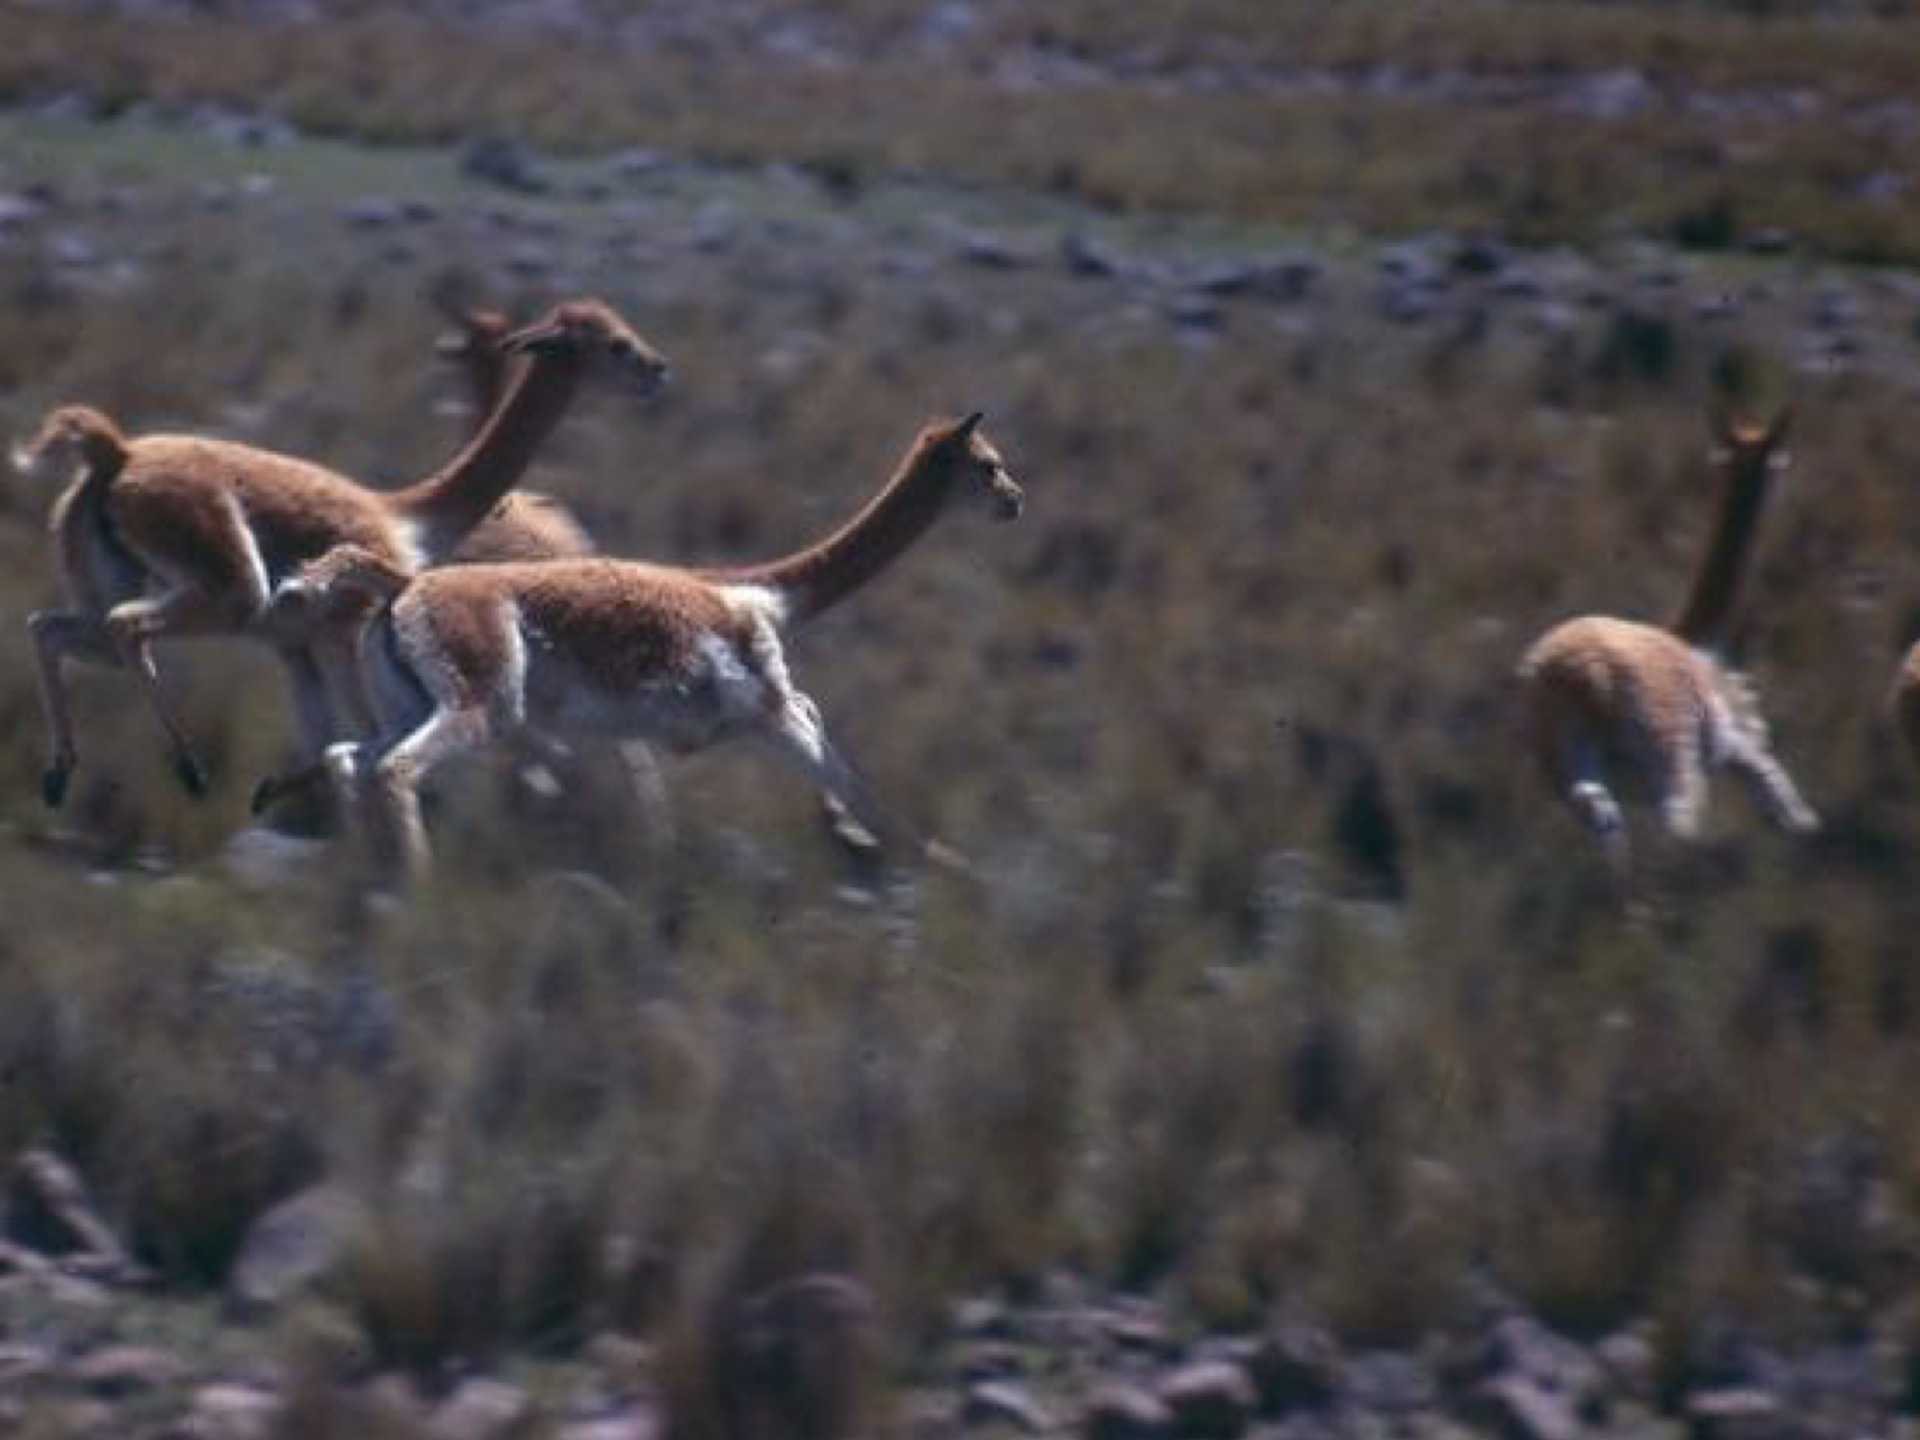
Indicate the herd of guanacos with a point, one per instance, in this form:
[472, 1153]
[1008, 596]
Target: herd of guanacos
[458, 612]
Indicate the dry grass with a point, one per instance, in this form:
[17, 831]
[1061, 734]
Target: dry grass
[1283, 989]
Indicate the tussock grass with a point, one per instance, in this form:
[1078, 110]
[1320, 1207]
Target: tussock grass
[1283, 990]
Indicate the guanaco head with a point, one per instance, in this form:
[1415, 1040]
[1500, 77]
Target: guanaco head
[72, 433]
[339, 584]
[973, 466]
[1751, 451]
[593, 333]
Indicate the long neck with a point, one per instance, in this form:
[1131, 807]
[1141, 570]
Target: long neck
[820, 576]
[1716, 586]
[450, 502]
[486, 374]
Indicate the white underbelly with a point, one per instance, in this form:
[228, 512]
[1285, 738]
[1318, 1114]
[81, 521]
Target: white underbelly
[715, 697]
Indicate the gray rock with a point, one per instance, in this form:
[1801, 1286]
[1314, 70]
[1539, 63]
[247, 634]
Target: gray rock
[1295, 1367]
[496, 160]
[632, 1422]
[1629, 1360]
[480, 1408]
[1209, 1400]
[1519, 1407]
[291, 1246]
[373, 214]
[22, 1363]
[230, 1411]
[1084, 257]
[1125, 1412]
[118, 1371]
[1001, 1402]
[1739, 1413]
[1282, 281]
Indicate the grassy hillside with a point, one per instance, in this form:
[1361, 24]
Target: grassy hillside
[1283, 990]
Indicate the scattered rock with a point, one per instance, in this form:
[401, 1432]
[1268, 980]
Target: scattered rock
[1629, 1361]
[373, 214]
[17, 209]
[231, 1411]
[1521, 1408]
[1284, 281]
[1295, 1367]
[983, 1318]
[633, 1422]
[1209, 1400]
[480, 1408]
[118, 1371]
[21, 1363]
[290, 1246]
[261, 856]
[1125, 1412]
[496, 160]
[986, 252]
[1001, 1402]
[1739, 1413]
[1084, 257]
[991, 1360]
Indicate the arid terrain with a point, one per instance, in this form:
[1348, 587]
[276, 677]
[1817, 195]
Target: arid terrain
[1288, 1065]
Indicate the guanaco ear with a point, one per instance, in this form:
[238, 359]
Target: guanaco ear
[964, 430]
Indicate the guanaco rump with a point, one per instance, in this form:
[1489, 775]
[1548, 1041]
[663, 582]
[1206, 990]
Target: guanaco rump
[685, 658]
[1609, 701]
[166, 536]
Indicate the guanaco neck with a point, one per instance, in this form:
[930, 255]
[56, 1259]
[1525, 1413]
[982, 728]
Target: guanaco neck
[104, 455]
[484, 364]
[451, 502]
[1716, 586]
[812, 580]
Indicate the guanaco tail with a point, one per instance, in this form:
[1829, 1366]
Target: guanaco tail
[165, 536]
[1609, 701]
[683, 658]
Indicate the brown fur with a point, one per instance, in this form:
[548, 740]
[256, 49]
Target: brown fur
[526, 525]
[682, 657]
[217, 525]
[1607, 700]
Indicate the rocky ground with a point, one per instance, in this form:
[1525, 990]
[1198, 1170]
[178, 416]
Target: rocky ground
[88, 1348]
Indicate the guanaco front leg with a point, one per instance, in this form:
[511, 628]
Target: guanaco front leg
[56, 635]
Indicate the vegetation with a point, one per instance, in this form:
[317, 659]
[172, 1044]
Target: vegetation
[1283, 988]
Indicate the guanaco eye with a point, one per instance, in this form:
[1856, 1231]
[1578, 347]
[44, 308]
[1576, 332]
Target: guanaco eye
[621, 347]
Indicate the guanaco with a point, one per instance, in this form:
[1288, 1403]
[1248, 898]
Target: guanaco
[684, 658]
[525, 525]
[213, 526]
[1608, 699]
